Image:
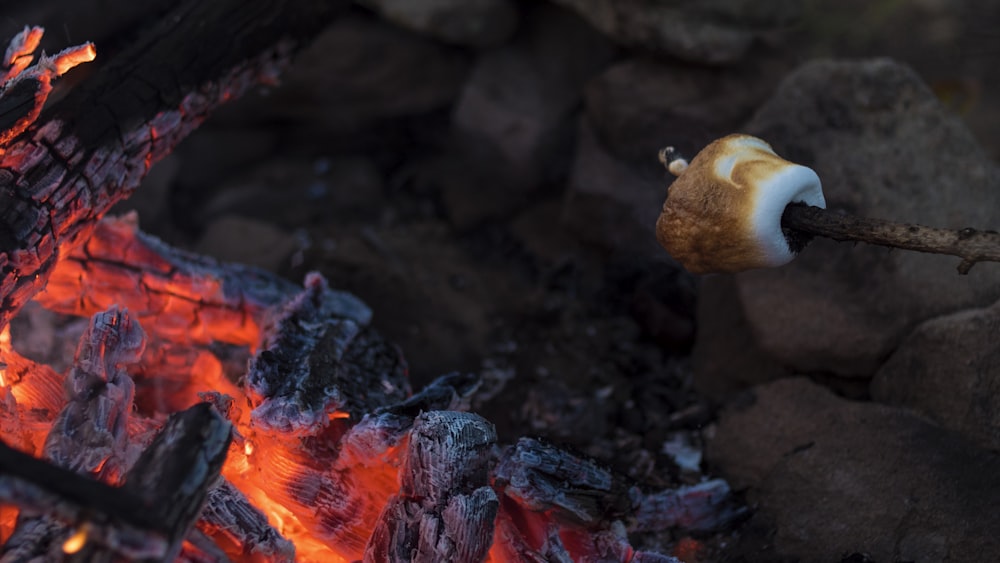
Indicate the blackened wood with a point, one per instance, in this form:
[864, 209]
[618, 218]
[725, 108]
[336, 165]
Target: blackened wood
[174, 474]
[41, 488]
[542, 477]
[313, 362]
[445, 509]
[227, 512]
[147, 518]
[92, 148]
[186, 298]
[90, 434]
[706, 507]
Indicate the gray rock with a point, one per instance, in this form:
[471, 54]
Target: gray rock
[726, 357]
[884, 147]
[836, 477]
[292, 192]
[359, 71]
[466, 22]
[714, 31]
[612, 203]
[640, 105]
[515, 116]
[948, 369]
[247, 241]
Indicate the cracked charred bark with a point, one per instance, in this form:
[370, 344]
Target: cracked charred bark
[92, 148]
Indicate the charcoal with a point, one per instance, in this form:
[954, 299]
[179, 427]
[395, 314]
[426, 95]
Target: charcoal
[228, 512]
[444, 510]
[174, 473]
[377, 433]
[543, 477]
[192, 298]
[705, 507]
[146, 518]
[90, 434]
[314, 362]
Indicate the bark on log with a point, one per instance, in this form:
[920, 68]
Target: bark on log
[92, 148]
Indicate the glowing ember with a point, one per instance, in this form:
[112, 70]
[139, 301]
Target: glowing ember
[69, 58]
[75, 543]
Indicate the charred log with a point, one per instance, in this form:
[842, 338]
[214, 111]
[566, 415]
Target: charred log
[146, 518]
[93, 147]
[174, 474]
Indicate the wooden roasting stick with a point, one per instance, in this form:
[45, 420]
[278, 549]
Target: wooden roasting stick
[61, 172]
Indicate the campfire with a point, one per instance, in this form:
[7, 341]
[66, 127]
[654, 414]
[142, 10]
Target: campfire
[215, 412]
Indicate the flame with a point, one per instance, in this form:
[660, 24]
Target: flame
[75, 542]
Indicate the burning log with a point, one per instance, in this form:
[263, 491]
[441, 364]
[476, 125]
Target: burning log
[65, 170]
[145, 518]
[168, 482]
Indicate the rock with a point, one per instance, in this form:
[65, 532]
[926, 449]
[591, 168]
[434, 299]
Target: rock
[838, 477]
[293, 192]
[612, 203]
[478, 23]
[948, 369]
[726, 358]
[515, 117]
[707, 32]
[639, 105]
[247, 241]
[884, 147]
[359, 71]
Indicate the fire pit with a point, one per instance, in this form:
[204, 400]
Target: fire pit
[217, 412]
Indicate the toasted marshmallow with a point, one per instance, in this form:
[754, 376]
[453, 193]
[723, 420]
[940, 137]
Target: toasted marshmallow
[723, 213]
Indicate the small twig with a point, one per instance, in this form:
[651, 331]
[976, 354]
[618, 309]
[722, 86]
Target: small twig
[970, 245]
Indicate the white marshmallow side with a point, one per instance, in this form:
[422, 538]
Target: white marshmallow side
[791, 184]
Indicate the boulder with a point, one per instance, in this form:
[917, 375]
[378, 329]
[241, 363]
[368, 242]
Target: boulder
[231, 238]
[948, 369]
[707, 32]
[836, 477]
[478, 23]
[516, 114]
[884, 147]
[356, 74]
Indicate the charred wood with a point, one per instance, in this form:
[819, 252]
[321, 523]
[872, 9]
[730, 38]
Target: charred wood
[145, 519]
[188, 298]
[315, 363]
[229, 517]
[445, 508]
[174, 474]
[92, 148]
